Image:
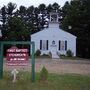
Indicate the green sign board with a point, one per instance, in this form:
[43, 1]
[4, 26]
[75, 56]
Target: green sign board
[32, 44]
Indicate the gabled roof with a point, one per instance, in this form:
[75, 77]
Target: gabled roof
[53, 30]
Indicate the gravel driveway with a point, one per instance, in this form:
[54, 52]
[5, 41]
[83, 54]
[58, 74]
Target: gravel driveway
[58, 66]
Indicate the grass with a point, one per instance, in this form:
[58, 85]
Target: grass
[55, 82]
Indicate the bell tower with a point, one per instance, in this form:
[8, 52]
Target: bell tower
[54, 20]
[54, 17]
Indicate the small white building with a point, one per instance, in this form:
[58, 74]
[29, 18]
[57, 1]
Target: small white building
[54, 40]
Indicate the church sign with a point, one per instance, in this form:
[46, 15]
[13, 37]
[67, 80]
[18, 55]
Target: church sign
[17, 57]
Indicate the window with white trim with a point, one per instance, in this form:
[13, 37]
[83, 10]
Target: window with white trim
[62, 45]
[43, 45]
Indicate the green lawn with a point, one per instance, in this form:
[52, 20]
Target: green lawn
[55, 82]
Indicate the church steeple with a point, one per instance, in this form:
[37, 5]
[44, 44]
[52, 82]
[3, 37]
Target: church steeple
[54, 17]
[53, 20]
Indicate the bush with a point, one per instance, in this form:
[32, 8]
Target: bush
[45, 56]
[50, 54]
[43, 75]
[69, 53]
[38, 52]
[62, 55]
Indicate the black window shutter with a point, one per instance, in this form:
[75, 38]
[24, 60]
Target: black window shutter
[65, 45]
[59, 45]
[40, 44]
[47, 44]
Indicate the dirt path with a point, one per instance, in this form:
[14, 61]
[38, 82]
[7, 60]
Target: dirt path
[58, 66]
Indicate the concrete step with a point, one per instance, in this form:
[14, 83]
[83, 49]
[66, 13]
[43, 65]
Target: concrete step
[55, 56]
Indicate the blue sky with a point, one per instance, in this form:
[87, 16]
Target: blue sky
[32, 2]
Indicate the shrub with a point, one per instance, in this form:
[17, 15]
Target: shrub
[62, 55]
[45, 55]
[50, 54]
[38, 52]
[69, 53]
[43, 75]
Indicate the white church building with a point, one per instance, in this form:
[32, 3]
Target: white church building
[54, 40]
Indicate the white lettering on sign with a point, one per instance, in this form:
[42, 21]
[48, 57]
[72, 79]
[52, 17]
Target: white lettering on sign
[21, 50]
[11, 50]
[14, 59]
[17, 56]
[20, 54]
[17, 50]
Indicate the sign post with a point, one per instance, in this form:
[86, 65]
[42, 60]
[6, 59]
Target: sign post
[17, 59]
[33, 62]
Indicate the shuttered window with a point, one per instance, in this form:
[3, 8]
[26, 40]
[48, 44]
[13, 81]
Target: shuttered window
[47, 44]
[59, 46]
[43, 45]
[65, 45]
[40, 44]
[62, 45]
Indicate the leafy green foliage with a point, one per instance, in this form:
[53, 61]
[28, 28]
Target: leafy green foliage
[3, 13]
[55, 6]
[10, 8]
[43, 74]
[17, 29]
[49, 8]
[77, 15]
[3, 20]
[21, 23]
[69, 53]
[42, 7]
[38, 52]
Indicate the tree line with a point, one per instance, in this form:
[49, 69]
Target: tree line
[76, 20]
[19, 24]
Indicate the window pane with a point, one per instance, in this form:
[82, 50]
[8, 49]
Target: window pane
[62, 45]
[44, 45]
